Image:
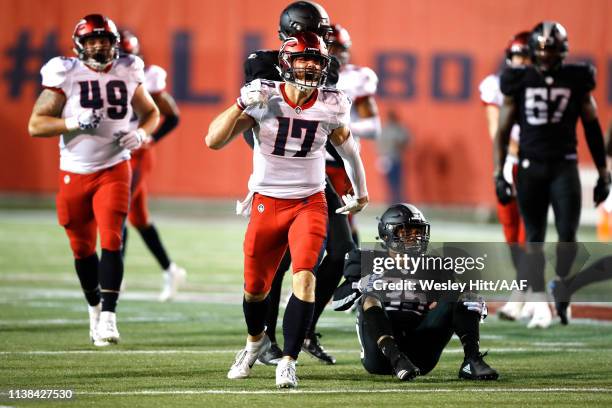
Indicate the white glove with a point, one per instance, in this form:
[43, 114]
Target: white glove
[87, 119]
[351, 205]
[508, 169]
[478, 306]
[251, 95]
[133, 139]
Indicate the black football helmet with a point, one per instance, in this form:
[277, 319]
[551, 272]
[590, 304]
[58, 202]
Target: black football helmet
[303, 16]
[548, 45]
[404, 229]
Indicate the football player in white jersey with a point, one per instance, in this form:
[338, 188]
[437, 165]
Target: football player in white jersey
[359, 84]
[142, 164]
[292, 121]
[517, 54]
[89, 100]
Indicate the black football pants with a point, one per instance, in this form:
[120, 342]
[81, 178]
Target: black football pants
[540, 184]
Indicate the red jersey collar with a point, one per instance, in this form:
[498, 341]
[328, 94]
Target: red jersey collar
[309, 102]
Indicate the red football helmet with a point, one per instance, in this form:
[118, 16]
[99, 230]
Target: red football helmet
[340, 44]
[96, 25]
[128, 44]
[518, 45]
[305, 46]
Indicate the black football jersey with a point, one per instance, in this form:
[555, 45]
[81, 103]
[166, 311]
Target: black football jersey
[548, 107]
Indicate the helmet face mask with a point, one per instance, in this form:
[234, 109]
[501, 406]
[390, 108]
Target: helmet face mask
[304, 61]
[548, 45]
[89, 44]
[404, 230]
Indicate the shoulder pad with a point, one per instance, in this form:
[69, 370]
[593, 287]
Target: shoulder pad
[155, 79]
[584, 73]
[132, 68]
[511, 80]
[55, 70]
[370, 81]
[352, 265]
[338, 102]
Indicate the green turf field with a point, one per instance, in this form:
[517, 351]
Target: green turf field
[178, 354]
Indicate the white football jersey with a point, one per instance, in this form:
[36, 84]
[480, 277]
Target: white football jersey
[357, 82]
[87, 151]
[491, 94]
[289, 151]
[154, 82]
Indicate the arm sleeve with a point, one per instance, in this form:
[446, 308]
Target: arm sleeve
[594, 138]
[349, 151]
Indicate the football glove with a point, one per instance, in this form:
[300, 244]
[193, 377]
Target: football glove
[87, 119]
[366, 284]
[133, 139]
[508, 169]
[351, 205]
[251, 95]
[602, 189]
[503, 189]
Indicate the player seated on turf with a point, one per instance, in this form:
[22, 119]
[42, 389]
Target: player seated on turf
[405, 336]
[292, 121]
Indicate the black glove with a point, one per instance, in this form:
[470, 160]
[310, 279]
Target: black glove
[503, 189]
[602, 189]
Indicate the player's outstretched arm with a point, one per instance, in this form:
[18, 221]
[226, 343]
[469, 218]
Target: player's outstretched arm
[227, 125]
[347, 148]
[46, 118]
[145, 109]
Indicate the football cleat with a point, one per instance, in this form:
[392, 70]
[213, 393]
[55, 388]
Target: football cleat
[558, 290]
[312, 347]
[511, 310]
[404, 369]
[246, 358]
[272, 356]
[542, 317]
[285, 374]
[475, 368]
[107, 330]
[94, 318]
[174, 277]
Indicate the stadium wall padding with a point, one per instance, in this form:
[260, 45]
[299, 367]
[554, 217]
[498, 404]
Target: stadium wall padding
[430, 57]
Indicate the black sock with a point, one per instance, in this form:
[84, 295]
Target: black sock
[275, 296]
[566, 255]
[124, 240]
[532, 265]
[465, 324]
[255, 315]
[329, 275]
[110, 275]
[296, 321]
[151, 238]
[389, 348]
[87, 271]
[377, 325]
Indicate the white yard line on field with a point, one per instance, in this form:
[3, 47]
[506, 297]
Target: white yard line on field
[232, 351]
